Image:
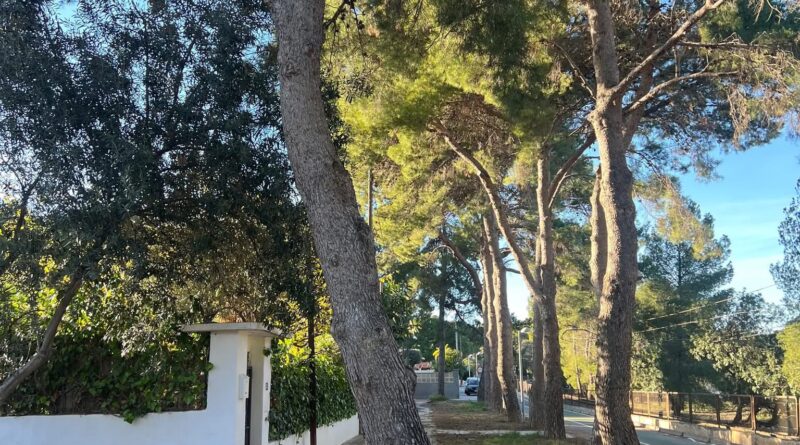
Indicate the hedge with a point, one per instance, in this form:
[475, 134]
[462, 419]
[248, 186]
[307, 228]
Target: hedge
[289, 413]
[87, 374]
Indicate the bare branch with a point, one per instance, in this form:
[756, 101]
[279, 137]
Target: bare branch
[668, 83]
[341, 10]
[558, 179]
[473, 273]
[578, 73]
[673, 40]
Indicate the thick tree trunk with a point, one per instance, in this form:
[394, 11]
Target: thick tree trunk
[504, 365]
[553, 376]
[39, 358]
[536, 405]
[618, 283]
[491, 386]
[382, 385]
[599, 240]
[441, 361]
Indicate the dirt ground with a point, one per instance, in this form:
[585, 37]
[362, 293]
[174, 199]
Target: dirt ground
[470, 416]
[505, 439]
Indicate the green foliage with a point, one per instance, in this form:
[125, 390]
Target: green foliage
[411, 356]
[425, 337]
[789, 340]
[289, 405]
[452, 359]
[678, 301]
[742, 351]
[88, 374]
[398, 304]
[437, 398]
[787, 272]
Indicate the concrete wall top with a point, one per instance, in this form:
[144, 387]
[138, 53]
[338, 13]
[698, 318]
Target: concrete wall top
[249, 328]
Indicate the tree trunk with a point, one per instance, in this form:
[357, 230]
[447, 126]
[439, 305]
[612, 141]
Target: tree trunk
[491, 386]
[597, 261]
[504, 365]
[536, 405]
[618, 284]
[381, 383]
[553, 376]
[41, 355]
[441, 361]
[501, 221]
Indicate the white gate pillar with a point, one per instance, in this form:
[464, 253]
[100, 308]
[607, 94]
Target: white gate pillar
[234, 346]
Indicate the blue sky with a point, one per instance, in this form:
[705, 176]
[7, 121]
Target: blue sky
[747, 203]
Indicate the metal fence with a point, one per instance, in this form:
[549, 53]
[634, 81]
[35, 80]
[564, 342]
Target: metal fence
[775, 415]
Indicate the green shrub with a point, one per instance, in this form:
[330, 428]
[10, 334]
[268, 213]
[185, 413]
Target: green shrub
[289, 398]
[88, 375]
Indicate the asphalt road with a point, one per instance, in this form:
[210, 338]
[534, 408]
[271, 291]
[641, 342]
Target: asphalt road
[576, 421]
[581, 424]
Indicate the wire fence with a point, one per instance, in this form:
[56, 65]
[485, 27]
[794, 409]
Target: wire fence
[774, 415]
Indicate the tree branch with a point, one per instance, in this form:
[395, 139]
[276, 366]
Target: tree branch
[578, 73]
[497, 208]
[560, 176]
[43, 352]
[473, 273]
[673, 40]
[638, 103]
[343, 6]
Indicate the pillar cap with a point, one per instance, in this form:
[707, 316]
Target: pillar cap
[252, 328]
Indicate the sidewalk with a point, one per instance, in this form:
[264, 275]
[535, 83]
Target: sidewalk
[424, 414]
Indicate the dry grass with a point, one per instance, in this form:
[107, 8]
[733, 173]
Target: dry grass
[505, 439]
[470, 416]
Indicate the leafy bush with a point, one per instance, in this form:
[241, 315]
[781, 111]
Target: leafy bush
[290, 395]
[89, 375]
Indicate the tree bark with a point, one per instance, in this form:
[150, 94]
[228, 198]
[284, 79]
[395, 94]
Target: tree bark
[504, 365]
[381, 383]
[553, 376]
[597, 262]
[618, 283]
[41, 355]
[491, 386]
[536, 405]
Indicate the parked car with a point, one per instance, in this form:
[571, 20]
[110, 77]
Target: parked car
[471, 387]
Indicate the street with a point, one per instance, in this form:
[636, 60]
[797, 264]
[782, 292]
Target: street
[580, 424]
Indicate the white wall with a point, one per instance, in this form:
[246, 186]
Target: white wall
[335, 434]
[178, 428]
[221, 423]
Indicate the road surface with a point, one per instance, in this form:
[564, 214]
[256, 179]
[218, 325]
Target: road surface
[581, 424]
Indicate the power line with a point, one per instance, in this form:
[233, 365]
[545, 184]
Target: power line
[695, 321]
[697, 308]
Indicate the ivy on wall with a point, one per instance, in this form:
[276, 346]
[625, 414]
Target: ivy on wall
[89, 375]
[289, 399]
